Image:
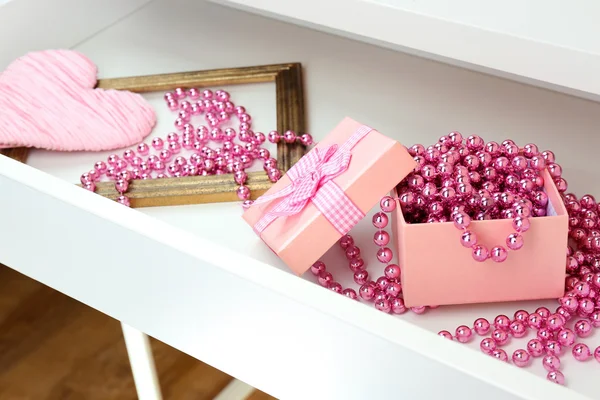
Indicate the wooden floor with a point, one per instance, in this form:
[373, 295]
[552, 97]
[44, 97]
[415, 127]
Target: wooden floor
[55, 348]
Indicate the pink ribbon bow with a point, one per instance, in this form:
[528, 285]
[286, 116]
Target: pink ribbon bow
[312, 180]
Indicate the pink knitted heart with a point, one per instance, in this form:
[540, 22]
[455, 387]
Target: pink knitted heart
[48, 101]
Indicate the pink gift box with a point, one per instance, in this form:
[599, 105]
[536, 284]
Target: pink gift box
[438, 270]
[375, 164]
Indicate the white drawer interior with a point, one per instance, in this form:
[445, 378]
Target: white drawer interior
[408, 98]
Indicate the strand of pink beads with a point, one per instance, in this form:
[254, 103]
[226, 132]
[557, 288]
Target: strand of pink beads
[460, 180]
[164, 158]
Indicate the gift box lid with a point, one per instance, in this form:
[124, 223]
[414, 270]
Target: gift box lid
[327, 192]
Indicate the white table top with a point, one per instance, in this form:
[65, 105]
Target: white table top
[408, 98]
[548, 43]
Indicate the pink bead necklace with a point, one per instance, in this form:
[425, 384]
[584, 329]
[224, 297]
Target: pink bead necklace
[454, 181]
[163, 157]
[461, 180]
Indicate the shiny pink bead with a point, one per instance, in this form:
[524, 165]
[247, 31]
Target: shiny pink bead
[581, 352]
[273, 136]
[352, 252]
[270, 163]
[566, 337]
[463, 334]
[387, 204]
[366, 292]
[500, 336]
[398, 306]
[356, 264]
[500, 355]
[564, 313]
[172, 104]
[475, 142]
[544, 334]
[335, 287]
[555, 322]
[317, 267]
[419, 309]
[306, 139]
[488, 345]
[582, 289]
[553, 347]
[124, 200]
[595, 281]
[481, 326]
[551, 362]
[193, 93]
[350, 293]
[93, 175]
[521, 358]
[243, 193]
[583, 328]
[100, 166]
[543, 311]
[461, 220]
[502, 322]
[522, 316]
[530, 150]
[381, 238]
[264, 154]
[89, 185]
[535, 347]
[289, 136]
[586, 306]
[240, 177]
[207, 94]
[514, 241]
[121, 185]
[361, 277]
[392, 271]
[85, 178]
[325, 279]
[383, 305]
[274, 174]
[380, 220]
[346, 241]
[393, 289]
[384, 255]
[468, 239]
[382, 283]
[556, 377]
[179, 93]
[595, 319]
[597, 354]
[570, 303]
[499, 254]
[517, 329]
[521, 224]
[480, 253]
[445, 334]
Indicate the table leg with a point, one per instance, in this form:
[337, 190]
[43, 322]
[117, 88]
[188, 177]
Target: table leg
[235, 390]
[142, 364]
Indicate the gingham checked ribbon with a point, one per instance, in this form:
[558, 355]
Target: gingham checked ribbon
[312, 180]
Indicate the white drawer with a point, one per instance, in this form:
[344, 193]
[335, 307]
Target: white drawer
[197, 278]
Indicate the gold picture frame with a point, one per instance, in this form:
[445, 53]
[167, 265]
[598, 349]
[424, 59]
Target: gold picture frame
[219, 188]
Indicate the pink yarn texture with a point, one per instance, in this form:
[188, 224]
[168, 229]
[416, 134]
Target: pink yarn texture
[48, 101]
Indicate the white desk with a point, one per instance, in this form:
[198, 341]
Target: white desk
[197, 278]
[547, 43]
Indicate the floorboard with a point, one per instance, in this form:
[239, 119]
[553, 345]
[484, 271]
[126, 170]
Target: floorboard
[55, 348]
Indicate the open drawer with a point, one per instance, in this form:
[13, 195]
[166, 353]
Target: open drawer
[197, 277]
